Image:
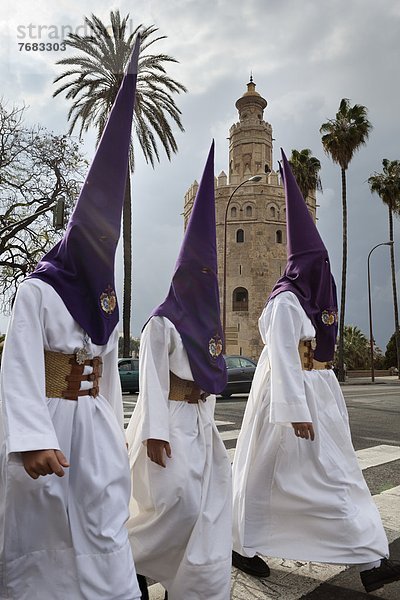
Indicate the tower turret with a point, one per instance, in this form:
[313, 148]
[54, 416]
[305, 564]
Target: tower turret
[250, 147]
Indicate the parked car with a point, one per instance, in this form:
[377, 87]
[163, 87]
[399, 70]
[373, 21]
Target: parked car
[129, 374]
[240, 375]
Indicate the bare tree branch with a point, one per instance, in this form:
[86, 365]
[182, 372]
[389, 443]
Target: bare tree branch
[36, 169]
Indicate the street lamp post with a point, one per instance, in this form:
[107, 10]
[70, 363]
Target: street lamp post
[255, 178]
[371, 335]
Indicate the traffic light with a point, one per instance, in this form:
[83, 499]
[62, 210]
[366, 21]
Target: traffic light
[59, 213]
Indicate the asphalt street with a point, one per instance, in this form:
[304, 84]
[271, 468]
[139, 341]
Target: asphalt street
[374, 412]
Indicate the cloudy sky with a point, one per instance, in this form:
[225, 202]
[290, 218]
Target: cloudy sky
[305, 56]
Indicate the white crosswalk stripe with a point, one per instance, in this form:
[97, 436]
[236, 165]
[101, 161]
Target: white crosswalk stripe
[290, 580]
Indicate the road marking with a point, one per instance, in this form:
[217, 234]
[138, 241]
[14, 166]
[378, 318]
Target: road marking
[373, 439]
[128, 413]
[230, 435]
[388, 503]
[368, 457]
[377, 455]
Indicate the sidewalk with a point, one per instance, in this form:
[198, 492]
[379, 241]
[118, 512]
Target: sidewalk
[389, 379]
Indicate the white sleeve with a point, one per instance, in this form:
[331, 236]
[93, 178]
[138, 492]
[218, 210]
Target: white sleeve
[154, 380]
[110, 382]
[27, 421]
[288, 398]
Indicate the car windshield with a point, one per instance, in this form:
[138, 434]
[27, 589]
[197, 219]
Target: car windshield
[246, 363]
[233, 362]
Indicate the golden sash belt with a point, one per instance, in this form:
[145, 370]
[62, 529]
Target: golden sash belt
[308, 361]
[64, 375]
[181, 389]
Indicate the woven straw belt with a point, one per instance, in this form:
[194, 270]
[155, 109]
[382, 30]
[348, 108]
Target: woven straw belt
[308, 361]
[64, 375]
[181, 389]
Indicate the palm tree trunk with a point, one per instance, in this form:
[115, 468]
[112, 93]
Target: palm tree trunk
[395, 306]
[127, 241]
[341, 371]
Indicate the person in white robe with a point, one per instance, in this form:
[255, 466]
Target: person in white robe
[298, 491]
[64, 469]
[61, 537]
[180, 523]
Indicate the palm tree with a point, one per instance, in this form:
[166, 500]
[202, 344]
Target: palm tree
[306, 169]
[91, 82]
[387, 186]
[356, 348]
[341, 138]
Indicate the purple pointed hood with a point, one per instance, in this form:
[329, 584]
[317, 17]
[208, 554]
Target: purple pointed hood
[192, 304]
[308, 273]
[81, 266]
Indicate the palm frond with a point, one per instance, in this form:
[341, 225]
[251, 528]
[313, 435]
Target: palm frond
[94, 74]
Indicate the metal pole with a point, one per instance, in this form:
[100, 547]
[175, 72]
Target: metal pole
[371, 339]
[371, 335]
[255, 178]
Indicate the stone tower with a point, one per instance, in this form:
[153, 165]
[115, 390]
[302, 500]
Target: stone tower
[254, 219]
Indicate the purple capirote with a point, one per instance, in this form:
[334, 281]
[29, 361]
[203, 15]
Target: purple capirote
[81, 266]
[308, 273]
[192, 303]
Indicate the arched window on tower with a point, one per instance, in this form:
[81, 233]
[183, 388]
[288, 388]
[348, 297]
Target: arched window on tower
[249, 211]
[240, 299]
[272, 212]
[233, 212]
[278, 236]
[240, 236]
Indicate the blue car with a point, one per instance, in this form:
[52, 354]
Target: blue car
[128, 369]
[240, 375]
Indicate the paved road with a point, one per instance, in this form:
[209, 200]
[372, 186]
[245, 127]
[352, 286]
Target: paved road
[374, 413]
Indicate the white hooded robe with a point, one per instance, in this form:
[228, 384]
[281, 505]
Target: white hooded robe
[61, 538]
[180, 523]
[295, 498]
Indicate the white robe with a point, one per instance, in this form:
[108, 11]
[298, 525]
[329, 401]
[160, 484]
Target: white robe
[180, 524]
[293, 498]
[61, 538]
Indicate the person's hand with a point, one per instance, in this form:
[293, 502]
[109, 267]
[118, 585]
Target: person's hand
[156, 449]
[304, 430]
[44, 462]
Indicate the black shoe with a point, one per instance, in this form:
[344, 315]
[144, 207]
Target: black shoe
[253, 566]
[143, 586]
[387, 572]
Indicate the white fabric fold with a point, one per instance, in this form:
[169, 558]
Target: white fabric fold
[180, 522]
[61, 538]
[293, 498]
